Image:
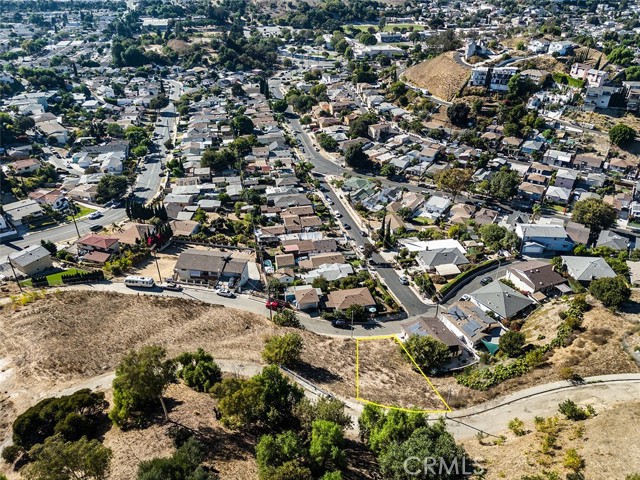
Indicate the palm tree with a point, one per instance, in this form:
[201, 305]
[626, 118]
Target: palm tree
[537, 211]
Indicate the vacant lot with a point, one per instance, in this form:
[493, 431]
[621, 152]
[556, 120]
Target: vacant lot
[608, 443]
[442, 76]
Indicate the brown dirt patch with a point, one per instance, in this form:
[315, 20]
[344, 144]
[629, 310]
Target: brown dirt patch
[442, 76]
[386, 382]
[608, 444]
[179, 46]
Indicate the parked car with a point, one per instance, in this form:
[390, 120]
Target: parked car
[174, 287]
[340, 324]
[95, 228]
[95, 215]
[486, 281]
[337, 214]
[275, 304]
[346, 226]
[363, 233]
[226, 294]
[404, 280]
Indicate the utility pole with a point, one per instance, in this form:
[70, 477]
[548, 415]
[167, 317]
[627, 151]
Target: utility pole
[14, 274]
[352, 323]
[155, 257]
[74, 211]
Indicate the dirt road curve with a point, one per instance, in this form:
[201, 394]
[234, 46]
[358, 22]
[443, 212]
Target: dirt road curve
[492, 417]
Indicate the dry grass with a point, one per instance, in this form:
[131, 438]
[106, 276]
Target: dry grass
[442, 76]
[608, 443]
[385, 382]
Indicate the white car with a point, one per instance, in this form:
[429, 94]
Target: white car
[94, 215]
[337, 214]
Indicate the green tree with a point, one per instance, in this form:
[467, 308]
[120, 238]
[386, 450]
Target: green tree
[184, 464]
[327, 142]
[496, 237]
[279, 106]
[504, 184]
[356, 158]
[283, 349]
[217, 160]
[159, 102]
[388, 170]
[428, 353]
[594, 213]
[141, 379]
[621, 134]
[453, 180]
[242, 125]
[612, 292]
[265, 400]
[431, 441]
[115, 130]
[512, 343]
[326, 447]
[56, 459]
[330, 409]
[273, 451]
[198, 370]
[110, 187]
[458, 114]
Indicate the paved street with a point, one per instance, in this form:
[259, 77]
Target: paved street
[250, 304]
[145, 189]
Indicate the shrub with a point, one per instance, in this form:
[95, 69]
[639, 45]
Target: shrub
[283, 349]
[573, 412]
[199, 371]
[10, 453]
[286, 318]
[573, 461]
[517, 427]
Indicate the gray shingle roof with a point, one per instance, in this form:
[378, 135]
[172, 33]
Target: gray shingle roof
[501, 299]
[585, 269]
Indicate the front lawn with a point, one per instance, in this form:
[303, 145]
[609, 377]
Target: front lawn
[55, 278]
[82, 211]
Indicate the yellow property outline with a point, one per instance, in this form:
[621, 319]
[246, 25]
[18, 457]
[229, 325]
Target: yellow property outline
[364, 400]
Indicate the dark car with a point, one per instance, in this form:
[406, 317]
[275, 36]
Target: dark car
[340, 324]
[486, 281]
[95, 228]
[346, 226]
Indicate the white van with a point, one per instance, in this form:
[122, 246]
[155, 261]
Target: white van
[133, 281]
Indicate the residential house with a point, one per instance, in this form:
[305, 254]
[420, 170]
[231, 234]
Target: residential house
[591, 76]
[100, 243]
[435, 207]
[54, 198]
[329, 271]
[473, 326]
[587, 269]
[25, 167]
[461, 213]
[315, 261]
[559, 195]
[285, 260]
[609, 239]
[307, 298]
[543, 239]
[578, 233]
[211, 266]
[586, 162]
[343, 299]
[502, 300]
[565, 178]
[425, 326]
[86, 192]
[23, 211]
[557, 158]
[444, 261]
[32, 261]
[534, 276]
